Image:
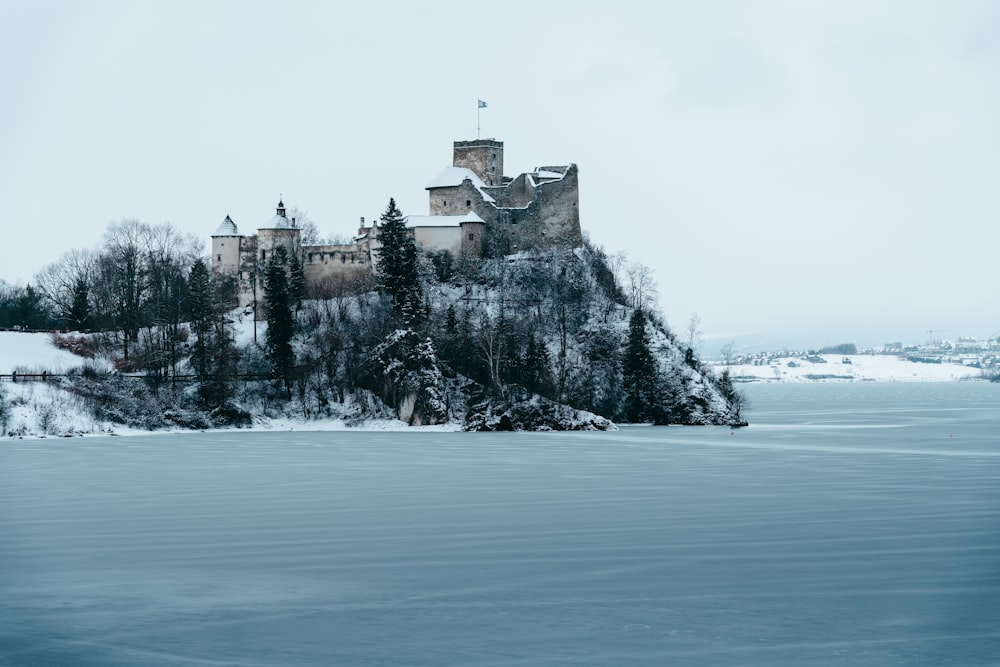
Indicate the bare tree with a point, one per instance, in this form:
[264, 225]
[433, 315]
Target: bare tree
[642, 285]
[122, 267]
[169, 256]
[493, 345]
[67, 284]
[728, 353]
[693, 331]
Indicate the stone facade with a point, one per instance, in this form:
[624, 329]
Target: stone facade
[474, 210]
[482, 156]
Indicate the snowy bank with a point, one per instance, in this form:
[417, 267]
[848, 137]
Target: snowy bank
[850, 368]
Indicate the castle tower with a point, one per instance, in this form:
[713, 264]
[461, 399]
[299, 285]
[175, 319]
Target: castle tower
[482, 156]
[226, 248]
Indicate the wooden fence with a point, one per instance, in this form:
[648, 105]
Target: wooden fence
[55, 377]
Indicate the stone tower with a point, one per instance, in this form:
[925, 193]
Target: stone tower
[482, 156]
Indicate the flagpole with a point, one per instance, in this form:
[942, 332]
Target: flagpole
[479, 108]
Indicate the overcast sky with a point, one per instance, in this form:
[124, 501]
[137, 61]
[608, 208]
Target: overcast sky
[800, 173]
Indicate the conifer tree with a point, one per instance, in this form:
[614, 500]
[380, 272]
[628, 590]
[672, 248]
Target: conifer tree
[639, 372]
[397, 266]
[280, 321]
[296, 280]
[213, 354]
[534, 366]
[79, 313]
[200, 310]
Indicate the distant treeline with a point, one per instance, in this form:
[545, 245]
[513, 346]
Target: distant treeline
[843, 348]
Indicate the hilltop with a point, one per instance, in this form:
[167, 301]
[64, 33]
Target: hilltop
[531, 341]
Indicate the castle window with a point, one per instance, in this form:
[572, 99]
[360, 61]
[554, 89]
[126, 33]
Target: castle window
[218, 258]
[444, 202]
[472, 236]
[263, 255]
[468, 202]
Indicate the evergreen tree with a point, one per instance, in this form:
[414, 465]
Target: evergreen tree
[213, 354]
[736, 399]
[296, 280]
[200, 312]
[639, 372]
[533, 368]
[30, 311]
[280, 321]
[79, 314]
[397, 266]
[217, 388]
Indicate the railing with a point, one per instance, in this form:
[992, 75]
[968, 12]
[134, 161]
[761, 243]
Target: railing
[54, 377]
[30, 377]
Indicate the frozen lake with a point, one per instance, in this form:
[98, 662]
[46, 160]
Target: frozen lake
[851, 524]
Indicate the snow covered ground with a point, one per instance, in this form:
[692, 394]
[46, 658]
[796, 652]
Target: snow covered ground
[33, 352]
[870, 368]
[42, 409]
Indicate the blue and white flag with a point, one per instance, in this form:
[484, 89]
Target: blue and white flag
[482, 105]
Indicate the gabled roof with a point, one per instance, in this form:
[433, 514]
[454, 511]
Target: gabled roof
[452, 176]
[227, 228]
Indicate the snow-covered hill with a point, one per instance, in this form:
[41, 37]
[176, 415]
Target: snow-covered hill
[851, 368]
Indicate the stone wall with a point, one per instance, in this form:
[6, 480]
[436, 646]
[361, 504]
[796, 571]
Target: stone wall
[483, 156]
[432, 239]
[458, 200]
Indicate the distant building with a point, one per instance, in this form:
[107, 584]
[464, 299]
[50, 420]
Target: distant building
[474, 210]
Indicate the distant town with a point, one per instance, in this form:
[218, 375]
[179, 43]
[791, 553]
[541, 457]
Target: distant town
[937, 359]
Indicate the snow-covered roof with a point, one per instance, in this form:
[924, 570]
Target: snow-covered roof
[440, 220]
[227, 228]
[452, 176]
[541, 175]
[277, 222]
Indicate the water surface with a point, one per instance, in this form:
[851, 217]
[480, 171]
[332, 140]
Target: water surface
[850, 524]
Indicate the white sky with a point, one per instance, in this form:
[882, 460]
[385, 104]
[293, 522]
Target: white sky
[801, 173]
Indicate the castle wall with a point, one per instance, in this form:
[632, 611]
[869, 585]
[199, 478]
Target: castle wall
[433, 239]
[235, 257]
[459, 200]
[226, 254]
[553, 218]
[518, 192]
[334, 269]
[472, 239]
[483, 156]
[269, 239]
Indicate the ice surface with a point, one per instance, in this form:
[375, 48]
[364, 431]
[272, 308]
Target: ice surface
[850, 524]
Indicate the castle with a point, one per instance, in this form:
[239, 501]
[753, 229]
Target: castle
[474, 210]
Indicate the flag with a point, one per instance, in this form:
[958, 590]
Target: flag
[482, 105]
